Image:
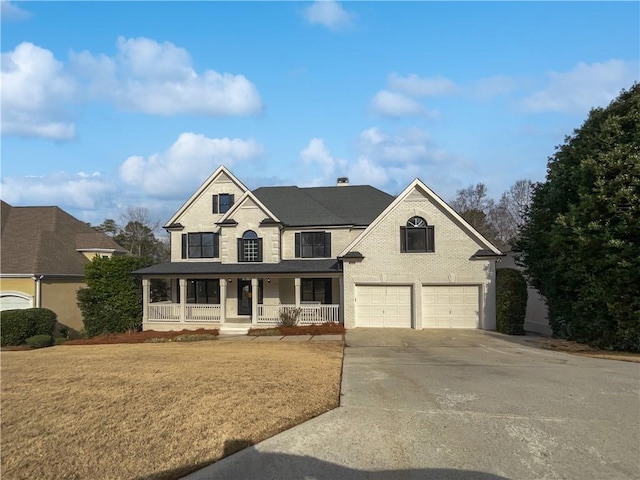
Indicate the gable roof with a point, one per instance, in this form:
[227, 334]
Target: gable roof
[47, 240]
[355, 205]
[221, 170]
[419, 184]
[248, 196]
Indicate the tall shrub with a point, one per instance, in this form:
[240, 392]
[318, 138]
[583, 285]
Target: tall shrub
[112, 300]
[581, 240]
[18, 325]
[511, 301]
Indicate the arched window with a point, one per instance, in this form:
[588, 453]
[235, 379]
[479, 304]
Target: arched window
[249, 247]
[417, 236]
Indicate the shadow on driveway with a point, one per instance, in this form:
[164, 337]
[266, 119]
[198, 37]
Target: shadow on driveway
[251, 464]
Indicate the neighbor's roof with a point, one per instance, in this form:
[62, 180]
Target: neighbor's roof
[216, 268]
[321, 206]
[46, 240]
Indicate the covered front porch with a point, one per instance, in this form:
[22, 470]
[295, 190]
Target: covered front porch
[207, 301]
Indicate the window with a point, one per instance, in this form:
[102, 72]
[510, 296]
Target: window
[313, 245]
[249, 247]
[203, 291]
[316, 290]
[222, 203]
[417, 236]
[200, 245]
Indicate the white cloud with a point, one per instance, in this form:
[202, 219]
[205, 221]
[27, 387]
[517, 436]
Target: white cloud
[392, 104]
[493, 86]
[75, 191]
[10, 11]
[415, 86]
[317, 152]
[190, 160]
[328, 13]
[158, 78]
[35, 92]
[40, 92]
[584, 87]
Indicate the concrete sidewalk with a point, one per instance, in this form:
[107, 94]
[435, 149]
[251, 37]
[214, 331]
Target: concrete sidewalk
[459, 405]
[281, 338]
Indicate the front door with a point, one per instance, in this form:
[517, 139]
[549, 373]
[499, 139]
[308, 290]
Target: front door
[244, 297]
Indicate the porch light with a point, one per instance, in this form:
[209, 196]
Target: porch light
[268, 280]
[229, 280]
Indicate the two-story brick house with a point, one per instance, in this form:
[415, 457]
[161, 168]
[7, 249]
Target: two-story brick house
[347, 253]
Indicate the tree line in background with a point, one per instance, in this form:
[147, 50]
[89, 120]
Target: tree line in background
[136, 234]
[501, 221]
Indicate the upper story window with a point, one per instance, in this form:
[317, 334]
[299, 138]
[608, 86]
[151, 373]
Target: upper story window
[313, 245]
[249, 247]
[222, 202]
[200, 245]
[417, 236]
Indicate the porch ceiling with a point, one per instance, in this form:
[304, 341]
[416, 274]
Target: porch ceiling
[286, 266]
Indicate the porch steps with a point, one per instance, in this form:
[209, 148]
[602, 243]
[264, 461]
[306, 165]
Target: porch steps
[234, 329]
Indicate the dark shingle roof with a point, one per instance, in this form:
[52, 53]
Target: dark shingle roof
[318, 206]
[217, 268]
[46, 240]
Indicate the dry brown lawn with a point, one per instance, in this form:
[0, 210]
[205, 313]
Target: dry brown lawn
[155, 411]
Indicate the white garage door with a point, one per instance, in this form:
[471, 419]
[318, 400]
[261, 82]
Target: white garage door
[451, 307]
[383, 306]
[13, 302]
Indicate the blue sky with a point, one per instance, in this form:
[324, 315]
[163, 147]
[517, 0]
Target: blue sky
[107, 105]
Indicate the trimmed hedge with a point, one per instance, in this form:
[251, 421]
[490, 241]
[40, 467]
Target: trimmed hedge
[18, 325]
[511, 301]
[39, 341]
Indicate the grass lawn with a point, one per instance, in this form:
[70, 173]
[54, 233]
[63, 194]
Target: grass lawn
[154, 411]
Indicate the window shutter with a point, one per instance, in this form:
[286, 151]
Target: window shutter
[184, 245]
[231, 199]
[297, 245]
[403, 239]
[240, 250]
[215, 204]
[431, 245]
[216, 245]
[327, 244]
[259, 249]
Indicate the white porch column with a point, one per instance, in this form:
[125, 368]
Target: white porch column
[298, 283]
[146, 295]
[341, 305]
[223, 300]
[183, 299]
[254, 300]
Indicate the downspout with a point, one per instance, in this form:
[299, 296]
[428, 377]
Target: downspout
[38, 279]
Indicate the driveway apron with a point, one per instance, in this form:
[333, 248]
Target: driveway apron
[459, 404]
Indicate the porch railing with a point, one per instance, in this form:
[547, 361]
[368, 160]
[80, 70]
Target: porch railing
[270, 314]
[202, 313]
[164, 312]
[194, 313]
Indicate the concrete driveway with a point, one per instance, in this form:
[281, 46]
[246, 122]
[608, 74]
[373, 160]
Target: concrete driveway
[460, 404]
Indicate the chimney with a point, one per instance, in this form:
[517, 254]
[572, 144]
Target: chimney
[343, 182]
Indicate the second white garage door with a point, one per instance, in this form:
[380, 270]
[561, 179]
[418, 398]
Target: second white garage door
[451, 306]
[383, 306]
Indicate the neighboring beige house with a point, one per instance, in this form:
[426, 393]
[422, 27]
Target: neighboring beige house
[346, 253]
[43, 251]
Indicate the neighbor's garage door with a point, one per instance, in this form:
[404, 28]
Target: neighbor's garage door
[13, 302]
[383, 306]
[451, 307]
